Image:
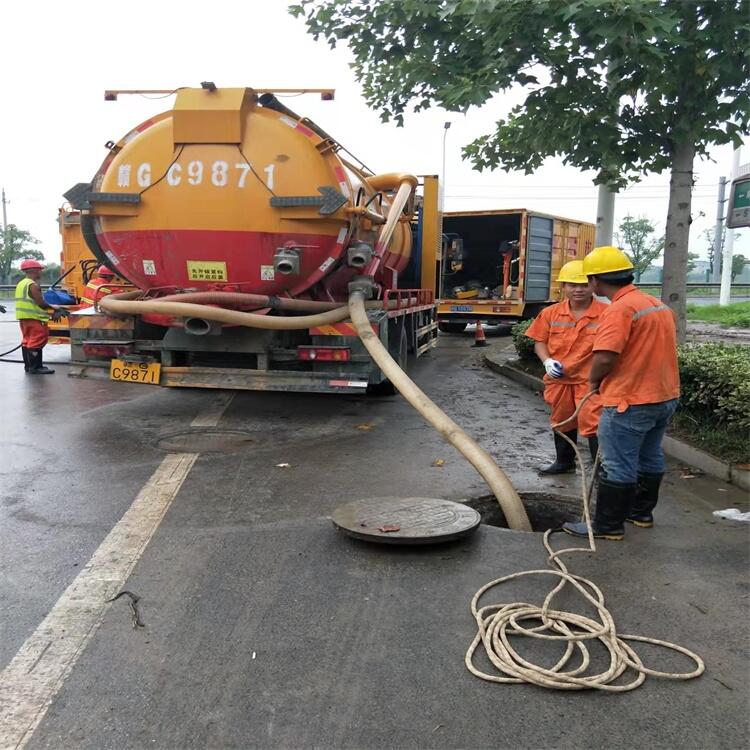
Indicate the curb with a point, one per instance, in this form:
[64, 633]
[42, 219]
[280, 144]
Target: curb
[673, 447]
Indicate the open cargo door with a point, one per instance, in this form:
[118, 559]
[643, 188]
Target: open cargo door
[538, 274]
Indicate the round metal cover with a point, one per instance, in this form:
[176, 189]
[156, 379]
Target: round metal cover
[406, 520]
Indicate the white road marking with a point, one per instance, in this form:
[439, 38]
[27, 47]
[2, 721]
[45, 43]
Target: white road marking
[29, 684]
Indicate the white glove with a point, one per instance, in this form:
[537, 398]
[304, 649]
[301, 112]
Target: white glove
[553, 367]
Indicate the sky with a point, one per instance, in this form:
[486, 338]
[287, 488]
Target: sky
[58, 58]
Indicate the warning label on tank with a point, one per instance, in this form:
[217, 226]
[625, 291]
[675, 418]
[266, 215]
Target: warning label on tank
[149, 268]
[267, 273]
[207, 270]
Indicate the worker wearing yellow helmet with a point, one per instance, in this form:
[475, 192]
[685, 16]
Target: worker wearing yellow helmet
[634, 368]
[564, 336]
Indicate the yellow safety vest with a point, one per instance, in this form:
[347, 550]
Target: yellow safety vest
[26, 308]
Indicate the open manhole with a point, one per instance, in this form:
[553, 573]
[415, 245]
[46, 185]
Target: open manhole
[205, 440]
[545, 510]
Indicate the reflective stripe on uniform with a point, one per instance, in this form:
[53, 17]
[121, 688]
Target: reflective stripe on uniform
[26, 308]
[561, 324]
[647, 310]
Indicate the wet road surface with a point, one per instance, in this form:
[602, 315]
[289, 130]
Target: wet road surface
[265, 628]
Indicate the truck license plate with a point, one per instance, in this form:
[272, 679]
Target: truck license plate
[461, 308]
[135, 372]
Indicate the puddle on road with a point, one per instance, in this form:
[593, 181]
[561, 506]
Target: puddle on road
[545, 510]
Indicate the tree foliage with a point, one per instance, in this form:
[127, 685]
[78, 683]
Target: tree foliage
[678, 69]
[635, 237]
[739, 262]
[16, 244]
[620, 87]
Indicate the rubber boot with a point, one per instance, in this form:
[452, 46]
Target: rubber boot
[565, 460]
[593, 446]
[612, 503]
[25, 356]
[36, 363]
[646, 496]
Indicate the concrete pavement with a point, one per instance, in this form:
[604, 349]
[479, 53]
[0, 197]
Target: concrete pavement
[265, 628]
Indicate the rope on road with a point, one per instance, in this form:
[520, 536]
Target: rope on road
[497, 623]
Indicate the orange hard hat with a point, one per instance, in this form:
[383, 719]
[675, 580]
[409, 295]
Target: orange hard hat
[30, 265]
[104, 271]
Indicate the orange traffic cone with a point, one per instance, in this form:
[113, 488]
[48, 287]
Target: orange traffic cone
[479, 338]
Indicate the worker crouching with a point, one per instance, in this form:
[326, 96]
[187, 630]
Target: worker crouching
[634, 368]
[33, 314]
[100, 286]
[564, 336]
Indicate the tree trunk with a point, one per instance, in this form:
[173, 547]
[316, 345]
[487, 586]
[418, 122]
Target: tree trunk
[674, 282]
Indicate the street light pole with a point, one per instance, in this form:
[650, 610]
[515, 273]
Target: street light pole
[726, 271]
[446, 126]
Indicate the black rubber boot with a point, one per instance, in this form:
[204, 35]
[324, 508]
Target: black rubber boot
[612, 503]
[640, 512]
[36, 363]
[565, 460]
[594, 447]
[25, 356]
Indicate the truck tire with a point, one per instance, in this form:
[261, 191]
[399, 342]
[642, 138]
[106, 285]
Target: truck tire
[452, 327]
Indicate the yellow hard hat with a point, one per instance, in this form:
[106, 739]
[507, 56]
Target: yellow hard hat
[572, 273]
[606, 259]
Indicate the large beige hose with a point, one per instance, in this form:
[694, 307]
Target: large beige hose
[114, 304]
[241, 299]
[510, 503]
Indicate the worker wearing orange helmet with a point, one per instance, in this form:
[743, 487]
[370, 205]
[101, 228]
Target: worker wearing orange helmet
[100, 286]
[635, 371]
[32, 313]
[564, 336]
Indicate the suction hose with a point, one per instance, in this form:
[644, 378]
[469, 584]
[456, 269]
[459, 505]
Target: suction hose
[510, 503]
[123, 304]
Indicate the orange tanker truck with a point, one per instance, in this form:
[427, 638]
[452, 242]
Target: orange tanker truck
[244, 229]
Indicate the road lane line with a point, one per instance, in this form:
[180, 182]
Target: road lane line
[32, 679]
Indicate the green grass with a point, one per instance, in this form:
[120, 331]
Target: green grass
[732, 446]
[736, 315]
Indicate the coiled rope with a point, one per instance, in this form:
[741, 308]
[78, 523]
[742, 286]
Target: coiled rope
[497, 623]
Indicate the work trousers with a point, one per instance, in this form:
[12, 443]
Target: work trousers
[564, 399]
[34, 333]
[630, 441]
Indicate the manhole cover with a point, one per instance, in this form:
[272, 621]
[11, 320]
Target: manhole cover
[406, 520]
[205, 441]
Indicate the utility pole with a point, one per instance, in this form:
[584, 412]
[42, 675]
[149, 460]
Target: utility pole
[726, 272]
[605, 216]
[716, 266]
[5, 218]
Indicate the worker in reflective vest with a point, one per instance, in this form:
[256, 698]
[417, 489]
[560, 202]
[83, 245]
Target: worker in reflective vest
[100, 286]
[564, 335]
[32, 313]
[635, 370]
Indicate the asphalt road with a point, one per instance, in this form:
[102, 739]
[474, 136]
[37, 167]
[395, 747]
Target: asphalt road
[266, 628]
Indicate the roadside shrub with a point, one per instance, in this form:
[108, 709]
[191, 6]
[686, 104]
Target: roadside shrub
[524, 345]
[716, 383]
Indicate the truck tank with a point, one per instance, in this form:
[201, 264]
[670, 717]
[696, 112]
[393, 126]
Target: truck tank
[232, 191]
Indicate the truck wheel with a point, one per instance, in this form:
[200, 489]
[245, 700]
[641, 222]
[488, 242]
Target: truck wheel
[452, 327]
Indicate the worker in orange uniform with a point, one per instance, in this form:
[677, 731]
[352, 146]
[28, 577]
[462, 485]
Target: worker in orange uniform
[564, 334]
[32, 313]
[100, 286]
[635, 370]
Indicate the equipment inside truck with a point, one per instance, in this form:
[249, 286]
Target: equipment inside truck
[481, 254]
